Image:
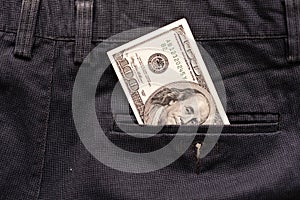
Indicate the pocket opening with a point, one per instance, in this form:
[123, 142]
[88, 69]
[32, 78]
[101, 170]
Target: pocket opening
[240, 123]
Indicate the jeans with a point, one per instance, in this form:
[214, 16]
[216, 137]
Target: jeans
[256, 47]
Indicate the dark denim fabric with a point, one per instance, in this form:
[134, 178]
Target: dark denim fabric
[255, 46]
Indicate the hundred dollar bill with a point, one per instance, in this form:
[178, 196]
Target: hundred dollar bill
[166, 80]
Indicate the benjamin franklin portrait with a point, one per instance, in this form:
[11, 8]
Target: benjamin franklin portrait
[173, 105]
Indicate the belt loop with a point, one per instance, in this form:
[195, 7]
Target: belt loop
[83, 37]
[26, 28]
[293, 27]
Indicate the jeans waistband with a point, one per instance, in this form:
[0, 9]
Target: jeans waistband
[210, 19]
[84, 21]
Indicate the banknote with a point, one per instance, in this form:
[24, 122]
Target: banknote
[166, 80]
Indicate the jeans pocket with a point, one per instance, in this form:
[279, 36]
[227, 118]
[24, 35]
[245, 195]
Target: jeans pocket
[244, 157]
[244, 128]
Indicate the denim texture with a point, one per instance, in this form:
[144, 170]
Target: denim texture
[255, 47]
